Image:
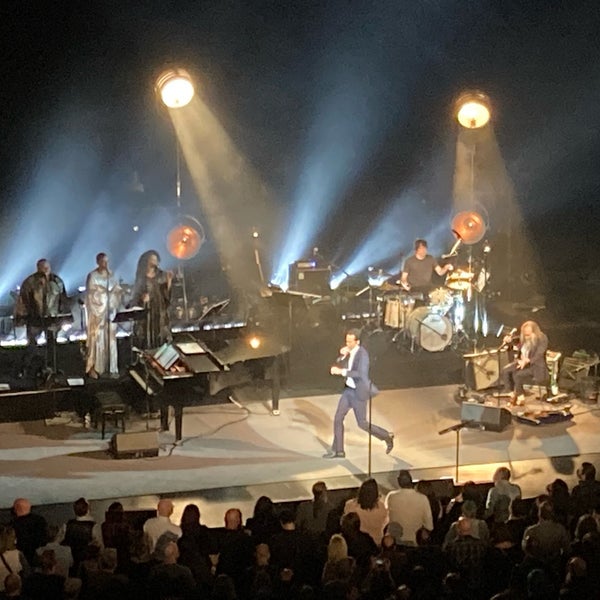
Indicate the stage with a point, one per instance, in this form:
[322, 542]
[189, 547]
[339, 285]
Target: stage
[231, 453]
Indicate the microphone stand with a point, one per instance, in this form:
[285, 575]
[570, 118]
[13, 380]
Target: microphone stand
[370, 447]
[457, 428]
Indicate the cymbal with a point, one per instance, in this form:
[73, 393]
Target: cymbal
[184, 242]
[468, 226]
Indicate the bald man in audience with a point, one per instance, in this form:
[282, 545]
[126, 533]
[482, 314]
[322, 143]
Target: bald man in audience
[156, 526]
[29, 528]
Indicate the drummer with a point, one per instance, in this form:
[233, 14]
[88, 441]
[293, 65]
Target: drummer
[418, 270]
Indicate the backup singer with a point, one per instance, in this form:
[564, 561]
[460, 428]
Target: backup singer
[353, 366]
[530, 365]
[152, 290]
[103, 296]
[42, 296]
[418, 269]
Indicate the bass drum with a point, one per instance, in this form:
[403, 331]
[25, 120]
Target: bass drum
[432, 331]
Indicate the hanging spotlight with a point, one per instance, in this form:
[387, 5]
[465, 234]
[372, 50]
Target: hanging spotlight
[185, 239]
[175, 88]
[473, 110]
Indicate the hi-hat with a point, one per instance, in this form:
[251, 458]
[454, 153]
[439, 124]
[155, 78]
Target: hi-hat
[468, 226]
[184, 242]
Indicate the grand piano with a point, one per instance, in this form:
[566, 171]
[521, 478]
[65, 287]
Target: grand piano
[197, 366]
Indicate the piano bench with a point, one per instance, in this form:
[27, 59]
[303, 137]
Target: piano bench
[114, 412]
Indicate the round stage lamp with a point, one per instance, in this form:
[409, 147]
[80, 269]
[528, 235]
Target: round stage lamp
[468, 226]
[183, 242]
[175, 88]
[473, 110]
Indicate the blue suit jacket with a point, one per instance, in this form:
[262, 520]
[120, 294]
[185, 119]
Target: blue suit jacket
[360, 375]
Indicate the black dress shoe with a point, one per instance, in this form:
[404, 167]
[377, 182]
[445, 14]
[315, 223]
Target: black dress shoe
[389, 443]
[332, 454]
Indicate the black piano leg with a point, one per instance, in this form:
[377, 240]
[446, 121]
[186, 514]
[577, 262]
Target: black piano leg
[178, 408]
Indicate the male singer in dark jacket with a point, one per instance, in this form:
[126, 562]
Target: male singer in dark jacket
[354, 368]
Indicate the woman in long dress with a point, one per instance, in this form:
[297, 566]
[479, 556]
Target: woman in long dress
[103, 296]
[152, 290]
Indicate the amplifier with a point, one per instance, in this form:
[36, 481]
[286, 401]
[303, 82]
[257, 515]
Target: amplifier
[136, 444]
[306, 276]
[491, 418]
[484, 370]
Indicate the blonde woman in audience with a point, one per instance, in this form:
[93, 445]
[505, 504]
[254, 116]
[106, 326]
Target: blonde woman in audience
[371, 509]
[339, 566]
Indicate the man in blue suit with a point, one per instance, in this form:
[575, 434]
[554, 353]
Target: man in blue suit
[353, 366]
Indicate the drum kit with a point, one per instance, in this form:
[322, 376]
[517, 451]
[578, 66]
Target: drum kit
[434, 321]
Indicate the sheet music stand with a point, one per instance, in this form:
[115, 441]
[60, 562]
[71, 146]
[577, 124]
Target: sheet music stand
[132, 315]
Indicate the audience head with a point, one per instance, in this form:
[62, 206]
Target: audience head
[13, 585]
[262, 555]
[108, 559]
[337, 549]
[587, 472]
[264, 507]
[395, 530]
[81, 507]
[519, 508]
[170, 553]
[501, 474]
[287, 520]
[585, 524]
[8, 538]
[558, 489]
[546, 511]
[224, 588]
[464, 527]
[470, 491]
[388, 542]
[48, 561]
[52, 532]
[469, 509]
[319, 491]
[350, 523]
[21, 507]
[368, 494]
[405, 479]
[114, 513]
[190, 517]
[233, 518]
[538, 585]
[164, 507]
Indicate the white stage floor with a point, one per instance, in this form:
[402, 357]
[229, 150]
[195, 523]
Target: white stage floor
[226, 446]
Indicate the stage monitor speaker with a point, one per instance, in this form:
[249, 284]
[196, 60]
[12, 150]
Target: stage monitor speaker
[484, 370]
[491, 418]
[136, 444]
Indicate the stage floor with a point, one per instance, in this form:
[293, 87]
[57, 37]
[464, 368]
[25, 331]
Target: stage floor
[237, 449]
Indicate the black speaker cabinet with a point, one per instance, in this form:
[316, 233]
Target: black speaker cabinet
[483, 370]
[491, 418]
[304, 277]
[136, 444]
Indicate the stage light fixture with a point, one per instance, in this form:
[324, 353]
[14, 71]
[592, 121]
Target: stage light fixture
[175, 88]
[473, 110]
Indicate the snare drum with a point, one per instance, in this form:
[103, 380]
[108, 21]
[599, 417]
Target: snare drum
[431, 330]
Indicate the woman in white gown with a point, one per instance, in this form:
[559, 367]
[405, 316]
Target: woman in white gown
[103, 296]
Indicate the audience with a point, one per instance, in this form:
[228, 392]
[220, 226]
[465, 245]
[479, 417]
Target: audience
[80, 532]
[156, 526]
[500, 496]
[509, 556]
[371, 510]
[11, 559]
[30, 528]
[409, 508]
